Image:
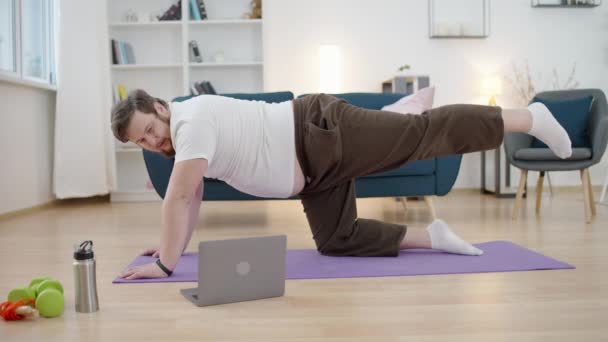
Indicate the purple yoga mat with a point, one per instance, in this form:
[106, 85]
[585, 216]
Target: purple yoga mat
[499, 256]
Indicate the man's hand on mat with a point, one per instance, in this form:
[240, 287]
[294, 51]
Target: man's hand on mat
[154, 252]
[150, 270]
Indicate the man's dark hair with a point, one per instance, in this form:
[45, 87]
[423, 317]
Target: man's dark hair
[123, 111]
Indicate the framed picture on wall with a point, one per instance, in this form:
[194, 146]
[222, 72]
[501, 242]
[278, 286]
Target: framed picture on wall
[565, 3]
[459, 18]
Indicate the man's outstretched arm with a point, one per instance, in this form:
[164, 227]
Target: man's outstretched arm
[192, 219]
[185, 180]
[195, 207]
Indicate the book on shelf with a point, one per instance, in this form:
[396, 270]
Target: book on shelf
[202, 9]
[194, 13]
[115, 94]
[198, 11]
[129, 52]
[122, 52]
[199, 88]
[122, 92]
[173, 13]
[203, 87]
[209, 89]
[114, 54]
[193, 90]
[119, 93]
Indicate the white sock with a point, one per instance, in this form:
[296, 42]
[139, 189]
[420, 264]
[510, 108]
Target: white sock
[549, 131]
[442, 238]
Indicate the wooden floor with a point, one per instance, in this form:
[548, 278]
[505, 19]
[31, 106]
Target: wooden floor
[561, 305]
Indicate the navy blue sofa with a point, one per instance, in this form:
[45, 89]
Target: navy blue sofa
[420, 178]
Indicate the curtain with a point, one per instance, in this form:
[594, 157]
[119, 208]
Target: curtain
[84, 163]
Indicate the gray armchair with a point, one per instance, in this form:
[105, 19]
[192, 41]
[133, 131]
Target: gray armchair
[520, 154]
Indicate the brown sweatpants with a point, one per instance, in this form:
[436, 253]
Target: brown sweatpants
[336, 142]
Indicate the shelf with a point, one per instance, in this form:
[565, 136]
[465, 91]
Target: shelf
[225, 64]
[175, 23]
[129, 150]
[459, 37]
[169, 72]
[225, 21]
[144, 66]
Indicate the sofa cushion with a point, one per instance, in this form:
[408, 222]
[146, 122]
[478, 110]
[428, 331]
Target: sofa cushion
[573, 115]
[417, 103]
[368, 100]
[280, 96]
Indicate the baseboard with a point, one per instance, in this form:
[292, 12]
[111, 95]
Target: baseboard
[29, 210]
[56, 203]
[84, 200]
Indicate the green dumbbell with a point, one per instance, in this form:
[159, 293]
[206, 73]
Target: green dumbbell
[49, 284]
[21, 293]
[50, 302]
[29, 292]
[35, 282]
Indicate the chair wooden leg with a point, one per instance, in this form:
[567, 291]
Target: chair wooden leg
[429, 203]
[584, 180]
[403, 201]
[520, 194]
[549, 183]
[539, 191]
[591, 199]
[604, 189]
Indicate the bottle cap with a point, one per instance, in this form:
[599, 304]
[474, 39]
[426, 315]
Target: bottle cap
[84, 251]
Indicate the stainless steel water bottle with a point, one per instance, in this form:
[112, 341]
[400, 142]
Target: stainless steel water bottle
[85, 282]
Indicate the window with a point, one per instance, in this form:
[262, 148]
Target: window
[34, 39]
[27, 38]
[7, 36]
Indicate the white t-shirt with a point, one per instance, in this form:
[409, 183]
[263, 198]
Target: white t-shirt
[248, 144]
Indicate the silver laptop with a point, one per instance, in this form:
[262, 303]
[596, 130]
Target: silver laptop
[238, 270]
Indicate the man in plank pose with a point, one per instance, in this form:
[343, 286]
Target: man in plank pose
[313, 147]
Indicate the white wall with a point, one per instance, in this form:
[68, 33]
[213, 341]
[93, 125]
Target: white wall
[376, 37]
[26, 146]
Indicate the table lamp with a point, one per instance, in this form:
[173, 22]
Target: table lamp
[329, 69]
[491, 87]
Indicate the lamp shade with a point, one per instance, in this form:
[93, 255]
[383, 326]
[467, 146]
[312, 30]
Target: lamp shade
[491, 86]
[329, 69]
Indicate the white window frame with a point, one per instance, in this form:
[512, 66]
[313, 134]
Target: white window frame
[16, 42]
[18, 76]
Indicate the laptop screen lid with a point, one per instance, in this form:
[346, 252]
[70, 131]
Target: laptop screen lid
[236, 270]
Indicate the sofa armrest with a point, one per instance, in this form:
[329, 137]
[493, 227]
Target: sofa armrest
[446, 171]
[159, 170]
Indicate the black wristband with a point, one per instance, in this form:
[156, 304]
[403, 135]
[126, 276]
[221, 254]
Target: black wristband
[164, 268]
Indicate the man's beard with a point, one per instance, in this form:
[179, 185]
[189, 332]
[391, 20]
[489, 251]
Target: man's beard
[171, 152]
[168, 154]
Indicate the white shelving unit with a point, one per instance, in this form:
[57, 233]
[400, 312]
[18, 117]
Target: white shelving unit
[163, 67]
